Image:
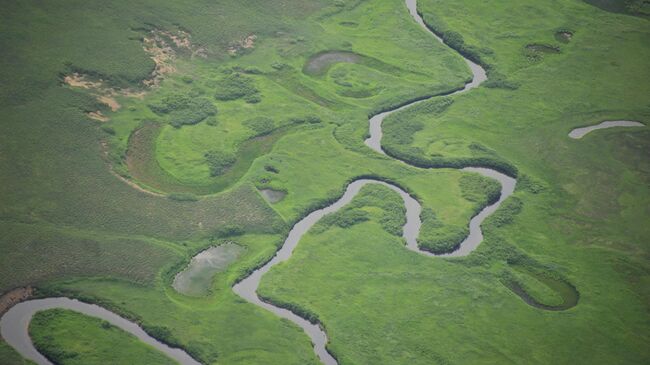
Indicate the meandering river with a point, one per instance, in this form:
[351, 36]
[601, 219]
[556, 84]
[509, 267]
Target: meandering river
[247, 288]
[15, 322]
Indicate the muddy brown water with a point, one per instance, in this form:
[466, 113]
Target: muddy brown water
[581, 132]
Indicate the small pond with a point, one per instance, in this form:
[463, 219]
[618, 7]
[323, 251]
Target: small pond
[196, 279]
[273, 196]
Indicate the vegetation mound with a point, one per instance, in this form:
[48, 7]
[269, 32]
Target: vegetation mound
[182, 109]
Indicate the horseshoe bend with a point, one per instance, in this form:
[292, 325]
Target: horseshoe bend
[336, 182]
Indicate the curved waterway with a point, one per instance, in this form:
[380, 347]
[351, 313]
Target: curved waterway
[15, 323]
[581, 132]
[247, 288]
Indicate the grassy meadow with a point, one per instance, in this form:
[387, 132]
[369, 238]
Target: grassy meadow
[55, 333]
[276, 95]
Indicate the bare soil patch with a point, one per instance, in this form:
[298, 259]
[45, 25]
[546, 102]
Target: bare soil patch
[242, 45]
[13, 297]
[97, 116]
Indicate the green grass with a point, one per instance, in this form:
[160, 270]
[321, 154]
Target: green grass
[71, 227]
[56, 334]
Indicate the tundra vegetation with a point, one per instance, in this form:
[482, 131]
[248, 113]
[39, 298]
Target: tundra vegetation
[204, 104]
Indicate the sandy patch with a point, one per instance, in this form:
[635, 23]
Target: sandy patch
[162, 47]
[246, 43]
[110, 101]
[79, 80]
[98, 116]
[104, 94]
[13, 297]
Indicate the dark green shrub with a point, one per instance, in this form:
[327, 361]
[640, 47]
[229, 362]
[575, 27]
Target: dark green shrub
[229, 231]
[219, 161]
[506, 212]
[182, 109]
[272, 169]
[311, 119]
[108, 130]
[528, 183]
[479, 189]
[499, 81]
[162, 334]
[235, 86]
[437, 237]
[260, 125]
[345, 218]
[253, 98]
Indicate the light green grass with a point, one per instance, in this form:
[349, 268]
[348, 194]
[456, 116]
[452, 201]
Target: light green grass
[57, 334]
[583, 203]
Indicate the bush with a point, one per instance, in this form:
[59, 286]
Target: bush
[506, 212]
[499, 81]
[437, 237]
[235, 86]
[183, 109]
[455, 40]
[219, 161]
[479, 189]
[260, 125]
[311, 119]
[229, 231]
[528, 183]
[345, 218]
[253, 98]
[272, 169]
[162, 334]
[108, 130]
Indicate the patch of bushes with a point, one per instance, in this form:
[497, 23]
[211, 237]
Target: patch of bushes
[404, 123]
[506, 212]
[499, 81]
[230, 230]
[236, 86]
[453, 39]
[181, 109]
[260, 125]
[219, 161]
[311, 119]
[108, 130]
[437, 237]
[162, 334]
[479, 189]
[394, 213]
[535, 52]
[529, 184]
[345, 218]
[272, 169]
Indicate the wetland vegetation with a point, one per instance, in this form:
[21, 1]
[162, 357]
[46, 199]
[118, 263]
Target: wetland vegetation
[135, 135]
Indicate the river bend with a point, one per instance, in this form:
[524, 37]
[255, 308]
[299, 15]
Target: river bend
[247, 288]
[15, 322]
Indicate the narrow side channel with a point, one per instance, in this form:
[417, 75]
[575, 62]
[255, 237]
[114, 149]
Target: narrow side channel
[581, 132]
